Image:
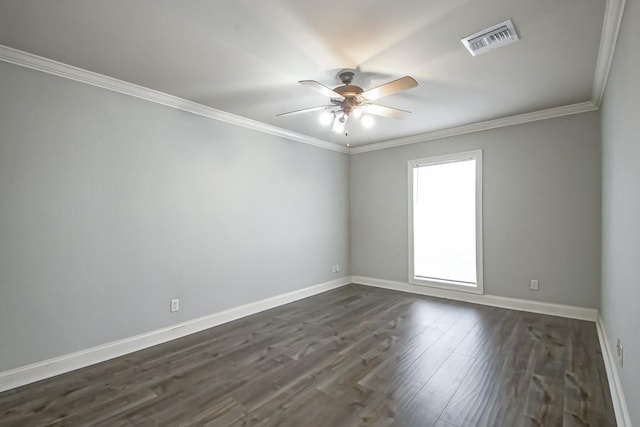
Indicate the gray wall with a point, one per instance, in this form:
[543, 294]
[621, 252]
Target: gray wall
[621, 205]
[111, 206]
[541, 210]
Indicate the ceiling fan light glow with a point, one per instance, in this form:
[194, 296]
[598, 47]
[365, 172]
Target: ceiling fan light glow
[367, 122]
[325, 118]
[338, 126]
[357, 113]
[340, 122]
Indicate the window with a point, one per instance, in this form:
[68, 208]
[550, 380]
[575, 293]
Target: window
[445, 222]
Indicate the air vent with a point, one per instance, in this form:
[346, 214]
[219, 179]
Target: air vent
[491, 38]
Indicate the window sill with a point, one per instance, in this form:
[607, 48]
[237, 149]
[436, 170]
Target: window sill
[449, 285]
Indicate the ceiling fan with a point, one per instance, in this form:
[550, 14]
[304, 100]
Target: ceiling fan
[350, 100]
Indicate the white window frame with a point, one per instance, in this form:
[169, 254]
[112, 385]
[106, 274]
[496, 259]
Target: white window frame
[445, 284]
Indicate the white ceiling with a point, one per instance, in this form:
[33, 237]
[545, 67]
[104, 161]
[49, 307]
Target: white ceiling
[245, 57]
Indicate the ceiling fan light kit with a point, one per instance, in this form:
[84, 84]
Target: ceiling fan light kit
[352, 101]
[339, 122]
[326, 117]
[367, 122]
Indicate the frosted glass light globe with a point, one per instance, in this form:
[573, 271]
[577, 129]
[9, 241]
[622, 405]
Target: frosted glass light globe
[325, 118]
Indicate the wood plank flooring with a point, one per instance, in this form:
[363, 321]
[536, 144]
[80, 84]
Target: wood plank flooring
[354, 356]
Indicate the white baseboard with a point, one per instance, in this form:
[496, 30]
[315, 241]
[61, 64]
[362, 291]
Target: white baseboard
[569, 311]
[617, 395]
[70, 362]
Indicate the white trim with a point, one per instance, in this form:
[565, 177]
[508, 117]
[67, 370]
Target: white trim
[70, 362]
[582, 107]
[569, 311]
[613, 13]
[475, 155]
[615, 385]
[611, 26]
[49, 66]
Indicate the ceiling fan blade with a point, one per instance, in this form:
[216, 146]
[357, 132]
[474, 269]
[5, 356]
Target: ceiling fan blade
[390, 88]
[312, 84]
[381, 110]
[304, 110]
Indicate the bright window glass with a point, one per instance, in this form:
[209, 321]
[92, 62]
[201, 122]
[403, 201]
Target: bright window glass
[445, 221]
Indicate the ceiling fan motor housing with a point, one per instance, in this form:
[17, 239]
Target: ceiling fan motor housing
[349, 92]
[351, 97]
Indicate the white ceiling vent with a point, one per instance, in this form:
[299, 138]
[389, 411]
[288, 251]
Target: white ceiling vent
[490, 38]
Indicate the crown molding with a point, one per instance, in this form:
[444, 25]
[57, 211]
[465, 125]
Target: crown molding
[49, 66]
[550, 113]
[613, 13]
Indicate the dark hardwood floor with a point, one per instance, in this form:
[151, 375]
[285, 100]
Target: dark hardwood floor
[349, 357]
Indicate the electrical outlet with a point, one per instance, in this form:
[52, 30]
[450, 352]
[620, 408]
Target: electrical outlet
[337, 268]
[175, 305]
[534, 285]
